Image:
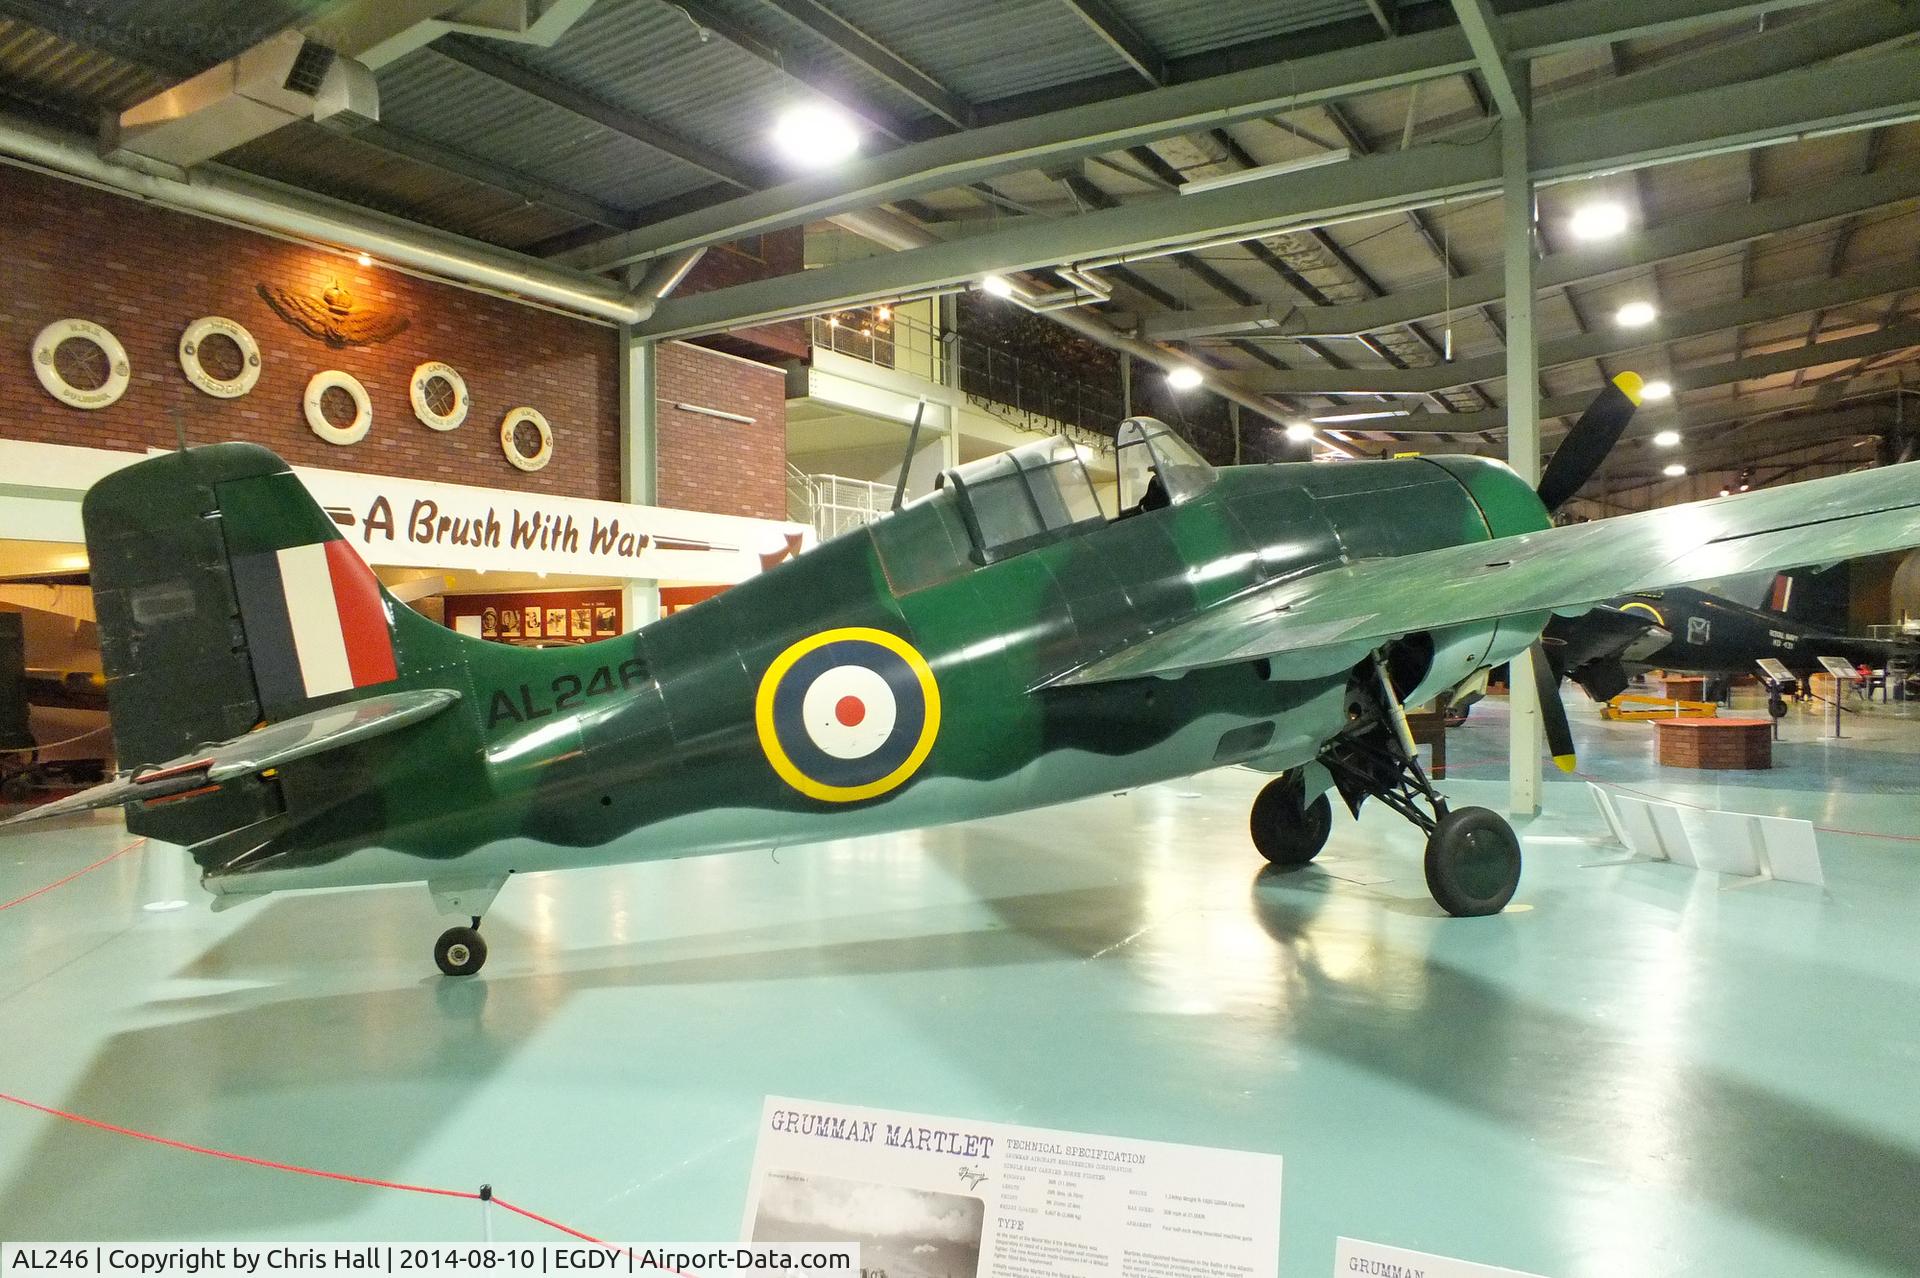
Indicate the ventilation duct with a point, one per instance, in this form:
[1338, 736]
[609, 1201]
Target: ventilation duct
[278, 81]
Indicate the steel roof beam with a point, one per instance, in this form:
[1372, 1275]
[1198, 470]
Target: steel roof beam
[1769, 304]
[1859, 94]
[1896, 338]
[1120, 35]
[1506, 78]
[160, 61]
[1698, 232]
[801, 69]
[475, 56]
[1060, 137]
[1847, 28]
[877, 58]
[474, 169]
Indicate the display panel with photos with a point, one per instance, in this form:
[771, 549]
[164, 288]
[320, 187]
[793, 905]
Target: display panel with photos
[542, 617]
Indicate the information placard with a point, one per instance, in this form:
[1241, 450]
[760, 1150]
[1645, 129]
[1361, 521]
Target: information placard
[1356, 1259]
[951, 1198]
[1840, 668]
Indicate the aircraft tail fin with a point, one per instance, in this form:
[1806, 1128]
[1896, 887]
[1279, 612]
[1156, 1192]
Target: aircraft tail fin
[226, 600]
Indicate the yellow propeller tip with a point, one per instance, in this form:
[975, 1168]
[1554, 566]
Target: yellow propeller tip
[1631, 385]
[1565, 762]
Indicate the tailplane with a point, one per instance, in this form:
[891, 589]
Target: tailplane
[227, 600]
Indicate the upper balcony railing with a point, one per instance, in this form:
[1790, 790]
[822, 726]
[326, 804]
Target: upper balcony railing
[1023, 392]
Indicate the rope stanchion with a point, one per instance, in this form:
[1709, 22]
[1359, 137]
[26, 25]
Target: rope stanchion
[88, 869]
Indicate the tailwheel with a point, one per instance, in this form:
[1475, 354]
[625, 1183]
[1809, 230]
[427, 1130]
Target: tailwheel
[1473, 862]
[1286, 829]
[460, 951]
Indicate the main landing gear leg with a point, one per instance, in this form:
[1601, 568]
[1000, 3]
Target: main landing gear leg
[460, 951]
[1472, 855]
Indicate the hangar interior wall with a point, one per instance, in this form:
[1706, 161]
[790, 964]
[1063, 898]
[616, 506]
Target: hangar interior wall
[145, 273]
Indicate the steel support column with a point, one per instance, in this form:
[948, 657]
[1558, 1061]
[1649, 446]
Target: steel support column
[1526, 739]
[639, 462]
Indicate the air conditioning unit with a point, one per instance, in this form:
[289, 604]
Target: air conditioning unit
[278, 81]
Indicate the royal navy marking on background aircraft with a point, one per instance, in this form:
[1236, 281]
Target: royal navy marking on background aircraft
[1000, 644]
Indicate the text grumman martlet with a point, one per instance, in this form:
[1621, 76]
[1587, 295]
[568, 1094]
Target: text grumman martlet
[1001, 644]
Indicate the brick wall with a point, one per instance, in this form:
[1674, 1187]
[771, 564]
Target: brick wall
[145, 273]
[708, 463]
[757, 257]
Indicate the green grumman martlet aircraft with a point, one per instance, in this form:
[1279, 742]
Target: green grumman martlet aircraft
[1003, 643]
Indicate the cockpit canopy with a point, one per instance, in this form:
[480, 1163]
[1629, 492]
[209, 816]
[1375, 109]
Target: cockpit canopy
[1157, 467]
[1016, 500]
[1041, 492]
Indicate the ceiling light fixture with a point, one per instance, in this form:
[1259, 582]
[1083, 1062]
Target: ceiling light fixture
[1299, 432]
[1657, 390]
[1667, 438]
[998, 285]
[815, 136]
[1185, 377]
[1673, 470]
[1363, 417]
[1636, 315]
[1321, 160]
[365, 259]
[1600, 221]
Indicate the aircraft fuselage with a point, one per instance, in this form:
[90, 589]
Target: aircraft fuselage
[709, 730]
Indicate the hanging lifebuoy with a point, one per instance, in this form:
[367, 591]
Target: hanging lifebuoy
[219, 387]
[509, 444]
[46, 365]
[317, 387]
[439, 407]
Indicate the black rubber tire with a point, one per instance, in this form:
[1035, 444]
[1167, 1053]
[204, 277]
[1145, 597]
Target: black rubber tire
[1473, 862]
[460, 951]
[1288, 832]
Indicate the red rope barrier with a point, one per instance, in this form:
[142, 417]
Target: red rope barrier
[22, 900]
[270, 1164]
[230, 1156]
[247, 1159]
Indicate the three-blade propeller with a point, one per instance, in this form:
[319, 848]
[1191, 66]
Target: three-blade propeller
[1574, 463]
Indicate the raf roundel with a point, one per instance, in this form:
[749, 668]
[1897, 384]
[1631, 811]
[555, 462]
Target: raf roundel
[849, 714]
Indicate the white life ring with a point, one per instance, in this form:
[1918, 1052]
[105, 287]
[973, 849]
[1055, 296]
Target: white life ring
[422, 377]
[354, 431]
[119, 371]
[220, 388]
[508, 426]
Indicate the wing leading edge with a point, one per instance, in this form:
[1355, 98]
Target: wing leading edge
[1556, 569]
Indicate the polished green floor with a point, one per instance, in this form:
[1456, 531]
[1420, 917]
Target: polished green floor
[1636, 1071]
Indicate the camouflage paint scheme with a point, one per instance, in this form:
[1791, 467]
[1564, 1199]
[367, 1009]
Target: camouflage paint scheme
[646, 746]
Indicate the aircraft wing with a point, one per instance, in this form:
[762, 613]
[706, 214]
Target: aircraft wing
[1558, 569]
[276, 744]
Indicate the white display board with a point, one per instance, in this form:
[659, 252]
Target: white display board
[1775, 671]
[964, 1199]
[412, 523]
[1352, 1257]
[1736, 843]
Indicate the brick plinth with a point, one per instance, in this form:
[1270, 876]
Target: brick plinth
[1714, 743]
